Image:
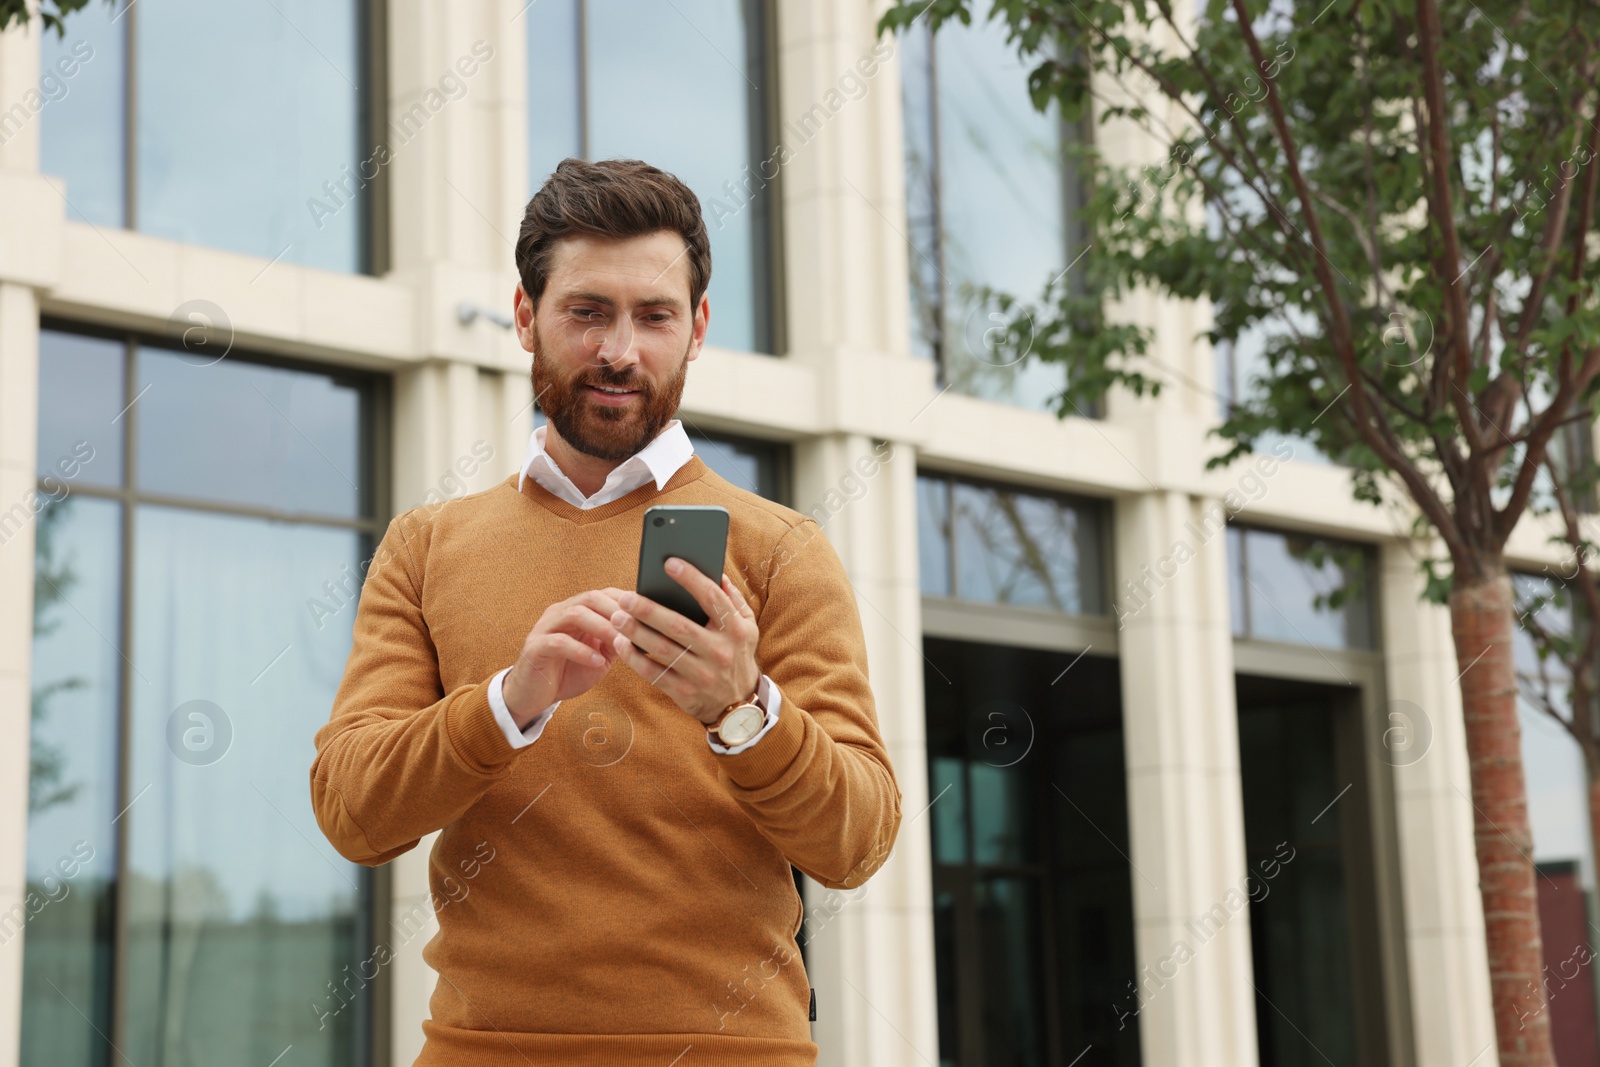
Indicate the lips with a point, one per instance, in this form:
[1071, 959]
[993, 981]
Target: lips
[614, 399]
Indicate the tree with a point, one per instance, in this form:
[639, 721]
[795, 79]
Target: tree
[52, 13]
[1394, 200]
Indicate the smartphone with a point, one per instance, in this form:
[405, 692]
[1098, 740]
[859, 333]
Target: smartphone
[697, 533]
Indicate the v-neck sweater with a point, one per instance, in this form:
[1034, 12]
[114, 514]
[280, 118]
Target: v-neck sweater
[616, 893]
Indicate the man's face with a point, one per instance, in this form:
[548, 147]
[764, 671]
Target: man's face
[614, 315]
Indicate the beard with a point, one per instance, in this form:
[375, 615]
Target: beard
[608, 433]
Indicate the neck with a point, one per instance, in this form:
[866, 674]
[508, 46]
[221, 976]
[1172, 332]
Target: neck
[586, 472]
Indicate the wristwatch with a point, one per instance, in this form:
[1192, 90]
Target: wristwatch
[739, 721]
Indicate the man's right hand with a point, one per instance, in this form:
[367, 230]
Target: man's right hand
[569, 650]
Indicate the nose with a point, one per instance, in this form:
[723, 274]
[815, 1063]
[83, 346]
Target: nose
[617, 347]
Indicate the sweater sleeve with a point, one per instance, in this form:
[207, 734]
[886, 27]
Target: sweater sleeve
[399, 757]
[819, 786]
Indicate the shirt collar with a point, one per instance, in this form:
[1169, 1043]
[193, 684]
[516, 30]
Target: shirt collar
[662, 457]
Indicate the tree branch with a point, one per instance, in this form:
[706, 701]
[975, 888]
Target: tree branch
[1505, 519]
[1379, 435]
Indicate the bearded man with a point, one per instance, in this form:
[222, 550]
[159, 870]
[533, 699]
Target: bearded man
[612, 873]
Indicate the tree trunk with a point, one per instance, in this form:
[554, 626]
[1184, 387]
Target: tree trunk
[1481, 616]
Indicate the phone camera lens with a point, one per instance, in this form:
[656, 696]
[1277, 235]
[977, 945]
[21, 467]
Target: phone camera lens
[659, 521]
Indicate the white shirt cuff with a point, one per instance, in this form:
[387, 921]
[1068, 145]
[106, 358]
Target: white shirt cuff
[767, 696]
[502, 715]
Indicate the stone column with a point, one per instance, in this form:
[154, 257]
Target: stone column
[29, 261]
[19, 413]
[842, 191]
[871, 949]
[457, 178]
[1445, 944]
[1185, 810]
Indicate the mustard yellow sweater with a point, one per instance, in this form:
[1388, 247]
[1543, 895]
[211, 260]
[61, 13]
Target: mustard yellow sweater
[615, 893]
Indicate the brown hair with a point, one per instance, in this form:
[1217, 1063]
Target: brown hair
[610, 198]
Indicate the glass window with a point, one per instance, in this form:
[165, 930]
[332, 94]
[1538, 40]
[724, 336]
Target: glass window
[84, 133]
[1284, 586]
[176, 701]
[81, 401]
[233, 937]
[758, 466]
[249, 434]
[703, 119]
[1302, 890]
[255, 147]
[1009, 546]
[989, 198]
[1033, 913]
[72, 776]
[933, 534]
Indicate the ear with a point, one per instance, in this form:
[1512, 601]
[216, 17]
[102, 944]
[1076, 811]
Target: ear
[702, 319]
[522, 315]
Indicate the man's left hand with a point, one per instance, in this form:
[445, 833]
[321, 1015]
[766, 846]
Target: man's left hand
[702, 668]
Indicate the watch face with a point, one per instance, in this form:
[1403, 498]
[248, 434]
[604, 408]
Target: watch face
[742, 724]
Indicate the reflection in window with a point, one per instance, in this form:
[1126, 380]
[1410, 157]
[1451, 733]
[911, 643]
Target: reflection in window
[989, 201]
[246, 125]
[1033, 904]
[177, 700]
[1009, 546]
[703, 119]
[72, 775]
[1301, 589]
[1558, 804]
[232, 937]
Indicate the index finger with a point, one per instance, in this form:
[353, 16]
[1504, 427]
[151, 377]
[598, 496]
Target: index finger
[707, 593]
[602, 601]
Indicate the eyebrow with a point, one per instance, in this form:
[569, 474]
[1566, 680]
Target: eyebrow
[654, 300]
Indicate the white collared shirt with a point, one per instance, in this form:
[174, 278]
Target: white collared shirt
[657, 461]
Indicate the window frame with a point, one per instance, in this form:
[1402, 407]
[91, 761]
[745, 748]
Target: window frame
[1043, 874]
[373, 1046]
[1353, 693]
[1072, 195]
[1099, 519]
[373, 239]
[1371, 593]
[1375, 889]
